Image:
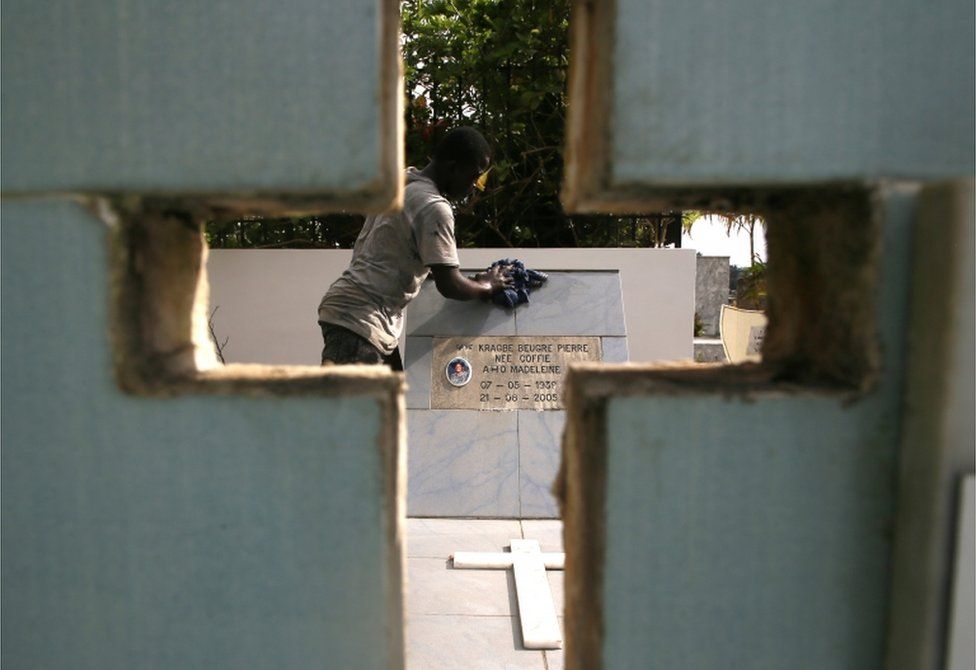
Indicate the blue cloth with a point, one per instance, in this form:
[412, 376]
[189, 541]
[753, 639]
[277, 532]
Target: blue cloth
[523, 281]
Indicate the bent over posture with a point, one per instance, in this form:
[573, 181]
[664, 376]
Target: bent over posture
[361, 315]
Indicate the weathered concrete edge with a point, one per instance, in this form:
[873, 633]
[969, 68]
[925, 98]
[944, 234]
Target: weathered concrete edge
[930, 462]
[161, 348]
[375, 194]
[158, 294]
[392, 444]
[587, 129]
[581, 483]
[821, 304]
[580, 490]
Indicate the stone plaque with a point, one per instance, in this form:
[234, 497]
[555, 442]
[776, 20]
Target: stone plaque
[756, 336]
[505, 373]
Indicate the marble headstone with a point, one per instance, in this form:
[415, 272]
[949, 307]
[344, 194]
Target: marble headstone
[484, 436]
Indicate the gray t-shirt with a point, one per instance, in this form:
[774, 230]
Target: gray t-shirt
[391, 259]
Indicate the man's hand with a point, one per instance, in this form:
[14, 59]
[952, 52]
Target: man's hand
[496, 278]
[452, 284]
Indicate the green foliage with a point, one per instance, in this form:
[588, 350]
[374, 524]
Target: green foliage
[750, 287]
[332, 231]
[501, 66]
[688, 218]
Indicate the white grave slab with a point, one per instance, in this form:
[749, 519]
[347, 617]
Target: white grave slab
[537, 614]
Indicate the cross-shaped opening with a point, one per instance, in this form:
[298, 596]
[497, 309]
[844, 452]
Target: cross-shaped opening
[166, 330]
[729, 513]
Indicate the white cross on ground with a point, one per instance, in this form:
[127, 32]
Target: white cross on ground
[540, 628]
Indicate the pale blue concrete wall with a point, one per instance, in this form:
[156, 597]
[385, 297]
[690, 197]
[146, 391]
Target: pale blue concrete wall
[192, 532]
[758, 533]
[193, 95]
[200, 531]
[763, 92]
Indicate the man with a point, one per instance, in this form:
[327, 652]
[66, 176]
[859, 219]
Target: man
[361, 315]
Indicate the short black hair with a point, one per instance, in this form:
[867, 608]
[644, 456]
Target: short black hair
[462, 145]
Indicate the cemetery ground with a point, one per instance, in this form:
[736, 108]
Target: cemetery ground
[469, 618]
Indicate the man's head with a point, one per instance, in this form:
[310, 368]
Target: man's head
[459, 159]
[459, 367]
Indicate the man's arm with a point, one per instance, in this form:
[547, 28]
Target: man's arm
[452, 284]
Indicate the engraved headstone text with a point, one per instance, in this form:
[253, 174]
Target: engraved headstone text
[508, 373]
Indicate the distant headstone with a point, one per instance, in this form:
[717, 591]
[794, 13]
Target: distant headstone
[711, 292]
[742, 331]
[485, 392]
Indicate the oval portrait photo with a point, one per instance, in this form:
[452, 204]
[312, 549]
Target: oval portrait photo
[458, 371]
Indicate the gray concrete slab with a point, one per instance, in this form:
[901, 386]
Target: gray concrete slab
[615, 350]
[163, 97]
[437, 642]
[439, 538]
[555, 660]
[578, 303]
[469, 618]
[416, 364]
[430, 313]
[549, 533]
[539, 439]
[435, 587]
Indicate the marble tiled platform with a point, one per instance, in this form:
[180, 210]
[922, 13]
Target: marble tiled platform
[469, 618]
[463, 462]
[470, 463]
[483, 464]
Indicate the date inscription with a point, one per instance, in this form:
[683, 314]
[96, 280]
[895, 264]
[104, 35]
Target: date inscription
[508, 373]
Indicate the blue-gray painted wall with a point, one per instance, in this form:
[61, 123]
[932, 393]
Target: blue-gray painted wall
[758, 533]
[190, 532]
[207, 532]
[192, 96]
[756, 92]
